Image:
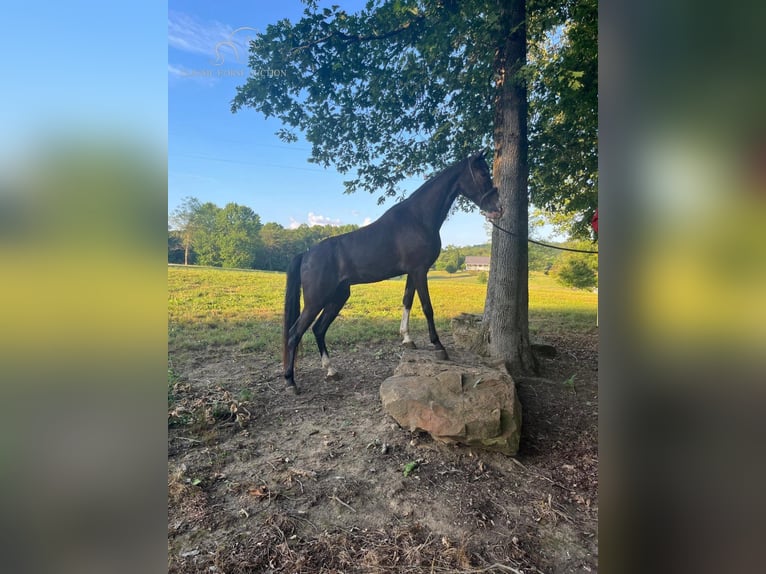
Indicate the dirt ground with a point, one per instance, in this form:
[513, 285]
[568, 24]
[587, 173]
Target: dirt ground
[260, 480]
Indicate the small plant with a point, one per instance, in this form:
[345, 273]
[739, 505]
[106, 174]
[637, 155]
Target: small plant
[179, 418]
[482, 277]
[409, 467]
[570, 382]
[221, 410]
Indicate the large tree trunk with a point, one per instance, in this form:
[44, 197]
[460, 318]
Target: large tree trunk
[506, 321]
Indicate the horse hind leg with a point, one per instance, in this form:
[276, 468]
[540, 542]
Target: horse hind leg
[404, 328]
[294, 337]
[329, 313]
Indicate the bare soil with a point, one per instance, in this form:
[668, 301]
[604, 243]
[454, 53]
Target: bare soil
[260, 480]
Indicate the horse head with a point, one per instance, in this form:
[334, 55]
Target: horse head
[478, 187]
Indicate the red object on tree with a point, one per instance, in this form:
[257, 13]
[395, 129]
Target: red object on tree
[594, 221]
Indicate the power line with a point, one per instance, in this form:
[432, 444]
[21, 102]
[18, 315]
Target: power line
[244, 162]
[242, 143]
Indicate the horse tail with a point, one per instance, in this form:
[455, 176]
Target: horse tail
[292, 301]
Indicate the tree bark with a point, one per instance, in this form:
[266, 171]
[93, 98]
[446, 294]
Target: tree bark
[506, 318]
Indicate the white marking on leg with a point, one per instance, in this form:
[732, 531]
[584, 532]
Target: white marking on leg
[326, 365]
[404, 329]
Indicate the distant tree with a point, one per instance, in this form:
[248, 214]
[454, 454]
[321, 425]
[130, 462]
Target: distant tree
[577, 270]
[176, 249]
[206, 237]
[237, 236]
[450, 257]
[183, 223]
[275, 244]
[482, 250]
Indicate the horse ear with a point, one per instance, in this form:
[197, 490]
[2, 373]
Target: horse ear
[480, 155]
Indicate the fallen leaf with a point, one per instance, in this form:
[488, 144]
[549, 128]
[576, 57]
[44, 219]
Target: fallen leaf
[259, 492]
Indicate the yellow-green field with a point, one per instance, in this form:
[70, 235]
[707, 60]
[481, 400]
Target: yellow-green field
[211, 306]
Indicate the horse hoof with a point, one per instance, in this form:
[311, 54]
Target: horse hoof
[291, 388]
[441, 355]
[409, 345]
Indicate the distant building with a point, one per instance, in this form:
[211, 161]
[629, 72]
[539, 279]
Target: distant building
[476, 263]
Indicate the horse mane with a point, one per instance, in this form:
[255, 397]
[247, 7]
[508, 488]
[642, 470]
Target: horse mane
[440, 175]
[445, 174]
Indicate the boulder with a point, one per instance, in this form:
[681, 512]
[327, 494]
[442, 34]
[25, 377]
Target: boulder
[459, 401]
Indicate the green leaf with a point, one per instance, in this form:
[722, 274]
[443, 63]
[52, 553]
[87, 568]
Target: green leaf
[409, 467]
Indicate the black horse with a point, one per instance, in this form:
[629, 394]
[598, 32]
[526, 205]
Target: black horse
[405, 240]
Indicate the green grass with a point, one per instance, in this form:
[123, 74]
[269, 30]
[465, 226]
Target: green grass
[210, 307]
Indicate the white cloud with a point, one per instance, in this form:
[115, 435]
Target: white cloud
[188, 34]
[315, 219]
[367, 221]
[219, 41]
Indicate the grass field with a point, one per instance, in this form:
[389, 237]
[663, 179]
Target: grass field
[242, 308]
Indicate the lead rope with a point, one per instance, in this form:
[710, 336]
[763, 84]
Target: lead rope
[542, 244]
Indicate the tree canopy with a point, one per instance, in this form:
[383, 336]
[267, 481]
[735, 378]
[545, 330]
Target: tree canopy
[563, 103]
[405, 88]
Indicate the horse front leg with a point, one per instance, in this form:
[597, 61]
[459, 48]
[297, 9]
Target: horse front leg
[421, 285]
[404, 329]
[329, 313]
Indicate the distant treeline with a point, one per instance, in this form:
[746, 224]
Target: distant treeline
[233, 236]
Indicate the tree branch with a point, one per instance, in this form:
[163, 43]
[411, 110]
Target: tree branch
[358, 38]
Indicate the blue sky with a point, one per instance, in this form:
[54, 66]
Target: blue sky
[218, 156]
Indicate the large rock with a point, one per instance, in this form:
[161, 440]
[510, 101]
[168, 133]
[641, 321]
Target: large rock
[454, 401]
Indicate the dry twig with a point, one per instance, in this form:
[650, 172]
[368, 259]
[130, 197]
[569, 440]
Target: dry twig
[335, 498]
